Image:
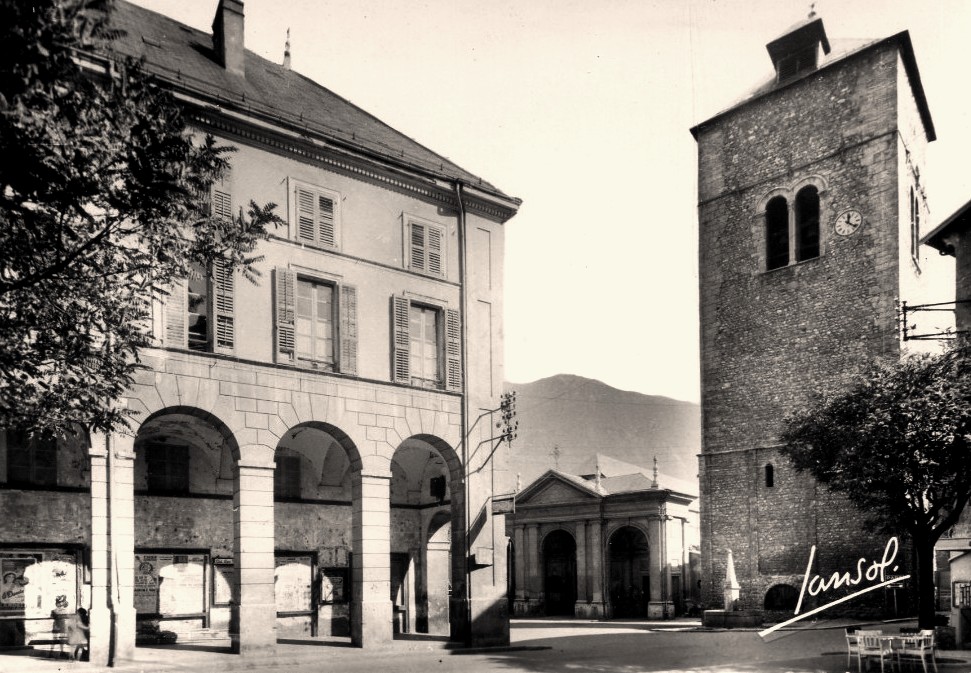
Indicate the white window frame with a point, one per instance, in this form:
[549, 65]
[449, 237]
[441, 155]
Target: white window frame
[424, 265]
[295, 185]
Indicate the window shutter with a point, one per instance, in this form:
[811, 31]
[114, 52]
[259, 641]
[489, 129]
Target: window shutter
[434, 249]
[453, 350]
[417, 246]
[222, 205]
[306, 229]
[325, 220]
[348, 329]
[400, 342]
[225, 305]
[176, 324]
[285, 309]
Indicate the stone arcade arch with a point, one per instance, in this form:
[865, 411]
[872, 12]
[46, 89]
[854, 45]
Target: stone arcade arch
[183, 474]
[628, 572]
[316, 469]
[427, 537]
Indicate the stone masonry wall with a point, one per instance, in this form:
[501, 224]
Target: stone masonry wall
[770, 339]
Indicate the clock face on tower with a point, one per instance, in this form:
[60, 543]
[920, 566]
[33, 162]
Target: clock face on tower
[848, 222]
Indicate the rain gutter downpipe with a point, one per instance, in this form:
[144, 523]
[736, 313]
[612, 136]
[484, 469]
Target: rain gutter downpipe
[463, 322]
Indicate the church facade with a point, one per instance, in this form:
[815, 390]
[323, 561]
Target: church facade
[618, 541]
[810, 204]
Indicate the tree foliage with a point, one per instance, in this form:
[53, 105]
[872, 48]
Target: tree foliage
[898, 445]
[102, 205]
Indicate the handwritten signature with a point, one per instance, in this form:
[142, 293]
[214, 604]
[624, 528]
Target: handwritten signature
[817, 585]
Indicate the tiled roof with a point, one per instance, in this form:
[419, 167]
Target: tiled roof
[184, 57]
[619, 476]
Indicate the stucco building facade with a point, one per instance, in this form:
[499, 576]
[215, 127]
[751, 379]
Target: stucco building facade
[300, 460]
[810, 203]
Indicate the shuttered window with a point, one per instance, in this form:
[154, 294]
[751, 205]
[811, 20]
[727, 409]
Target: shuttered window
[315, 215]
[222, 205]
[425, 244]
[200, 311]
[425, 345]
[310, 330]
[31, 460]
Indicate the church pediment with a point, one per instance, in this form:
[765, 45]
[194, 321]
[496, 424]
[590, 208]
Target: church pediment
[553, 489]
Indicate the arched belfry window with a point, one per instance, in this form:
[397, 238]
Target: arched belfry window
[807, 223]
[776, 233]
[769, 476]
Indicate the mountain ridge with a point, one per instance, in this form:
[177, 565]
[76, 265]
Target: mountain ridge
[564, 419]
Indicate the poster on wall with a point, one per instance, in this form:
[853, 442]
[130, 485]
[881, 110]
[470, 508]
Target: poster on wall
[170, 584]
[223, 576]
[61, 579]
[293, 583]
[332, 585]
[13, 569]
[181, 584]
[146, 584]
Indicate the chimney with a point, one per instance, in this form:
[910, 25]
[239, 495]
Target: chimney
[227, 36]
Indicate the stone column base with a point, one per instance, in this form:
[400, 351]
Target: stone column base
[99, 636]
[258, 639]
[584, 610]
[490, 622]
[371, 623]
[123, 628]
[660, 610]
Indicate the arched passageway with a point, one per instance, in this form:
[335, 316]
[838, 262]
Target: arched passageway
[629, 572]
[315, 467]
[559, 573]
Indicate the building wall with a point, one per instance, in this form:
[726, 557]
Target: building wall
[237, 409]
[772, 338]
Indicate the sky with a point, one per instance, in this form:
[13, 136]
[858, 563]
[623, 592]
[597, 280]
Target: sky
[582, 109]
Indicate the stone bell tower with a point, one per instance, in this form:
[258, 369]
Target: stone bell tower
[810, 199]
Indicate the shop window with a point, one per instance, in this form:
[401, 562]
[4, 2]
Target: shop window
[31, 459]
[168, 468]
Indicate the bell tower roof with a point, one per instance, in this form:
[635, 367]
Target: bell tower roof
[797, 50]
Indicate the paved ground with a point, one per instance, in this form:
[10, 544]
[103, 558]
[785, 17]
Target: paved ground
[541, 646]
